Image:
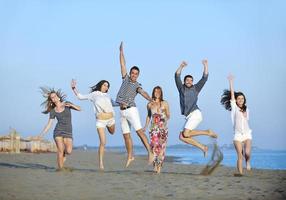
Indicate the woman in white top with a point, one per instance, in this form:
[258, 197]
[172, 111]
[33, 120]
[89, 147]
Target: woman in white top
[102, 105]
[236, 103]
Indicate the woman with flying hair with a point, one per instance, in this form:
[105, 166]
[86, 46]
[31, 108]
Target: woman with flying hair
[236, 103]
[103, 108]
[158, 113]
[58, 108]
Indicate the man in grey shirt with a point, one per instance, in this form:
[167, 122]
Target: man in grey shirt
[188, 101]
[128, 110]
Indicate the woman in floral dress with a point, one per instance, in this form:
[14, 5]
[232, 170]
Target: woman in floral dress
[158, 114]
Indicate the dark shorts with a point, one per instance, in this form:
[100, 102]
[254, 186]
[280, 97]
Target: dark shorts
[63, 135]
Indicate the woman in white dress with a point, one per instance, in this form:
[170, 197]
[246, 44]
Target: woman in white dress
[103, 108]
[236, 103]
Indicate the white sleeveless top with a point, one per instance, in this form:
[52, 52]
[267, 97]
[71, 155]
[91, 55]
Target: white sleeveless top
[239, 121]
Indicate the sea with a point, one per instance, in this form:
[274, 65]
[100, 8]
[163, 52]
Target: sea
[186, 154]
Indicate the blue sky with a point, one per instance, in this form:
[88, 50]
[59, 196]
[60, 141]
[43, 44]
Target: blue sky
[51, 42]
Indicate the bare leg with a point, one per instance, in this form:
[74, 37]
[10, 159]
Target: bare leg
[101, 148]
[129, 148]
[248, 154]
[145, 142]
[111, 129]
[68, 145]
[67, 148]
[60, 153]
[190, 133]
[190, 140]
[238, 147]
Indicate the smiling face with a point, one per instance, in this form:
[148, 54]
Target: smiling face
[54, 98]
[134, 73]
[104, 88]
[157, 93]
[188, 82]
[240, 101]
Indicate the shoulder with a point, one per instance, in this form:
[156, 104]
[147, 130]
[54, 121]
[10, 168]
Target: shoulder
[125, 77]
[94, 93]
[149, 105]
[165, 103]
[138, 84]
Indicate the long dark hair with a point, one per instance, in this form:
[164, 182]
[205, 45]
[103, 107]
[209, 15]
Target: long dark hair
[49, 105]
[98, 86]
[153, 93]
[225, 100]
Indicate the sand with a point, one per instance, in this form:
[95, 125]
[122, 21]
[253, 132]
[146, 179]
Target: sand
[33, 176]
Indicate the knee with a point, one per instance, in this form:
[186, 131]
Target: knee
[140, 133]
[247, 154]
[182, 136]
[102, 144]
[60, 152]
[187, 133]
[126, 136]
[69, 151]
[111, 131]
[240, 156]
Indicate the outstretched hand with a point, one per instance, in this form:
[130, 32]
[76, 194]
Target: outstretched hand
[230, 77]
[183, 64]
[205, 62]
[73, 83]
[121, 46]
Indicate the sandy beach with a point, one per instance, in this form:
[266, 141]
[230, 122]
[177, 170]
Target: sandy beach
[33, 176]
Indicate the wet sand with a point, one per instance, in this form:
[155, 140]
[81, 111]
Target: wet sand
[33, 176]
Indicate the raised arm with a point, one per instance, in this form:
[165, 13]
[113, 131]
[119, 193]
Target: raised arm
[231, 89]
[122, 61]
[200, 84]
[76, 92]
[178, 80]
[182, 65]
[73, 86]
[144, 94]
[206, 66]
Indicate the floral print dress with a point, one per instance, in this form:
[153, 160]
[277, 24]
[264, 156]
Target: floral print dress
[158, 135]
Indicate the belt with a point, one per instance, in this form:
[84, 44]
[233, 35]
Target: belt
[125, 107]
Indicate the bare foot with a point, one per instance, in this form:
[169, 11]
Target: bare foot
[155, 169]
[237, 174]
[60, 169]
[212, 134]
[248, 167]
[159, 170]
[129, 160]
[205, 151]
[101, 167]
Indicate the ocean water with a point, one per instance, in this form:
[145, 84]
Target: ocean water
[260, 158]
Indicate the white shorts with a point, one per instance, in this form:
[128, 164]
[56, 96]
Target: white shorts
[241, 137]
[130, 117]
[193, 120]
[105, 123]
